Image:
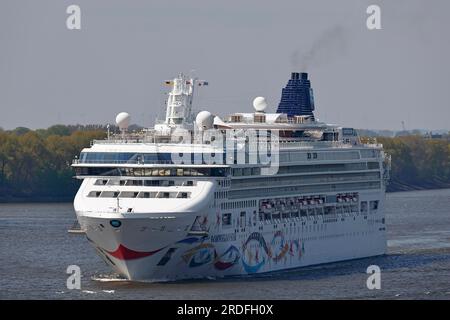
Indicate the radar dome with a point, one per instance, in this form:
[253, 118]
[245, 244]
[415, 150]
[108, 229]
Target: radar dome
[204, 120]
[123, 120]
[260, 104]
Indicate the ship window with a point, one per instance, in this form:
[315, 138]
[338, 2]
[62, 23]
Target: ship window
[104, 171]
[226, 219]
[309, 155]
[190, 183]
[315, 155]
[146, 195]
[363, 206]
[256, 171]
[184, 195]
[242, 219]
[373, 165]
[149, 183]
[373, 205]
[237, 172]
[165, 195]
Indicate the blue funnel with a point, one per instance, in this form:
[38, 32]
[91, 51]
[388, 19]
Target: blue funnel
[297, 97]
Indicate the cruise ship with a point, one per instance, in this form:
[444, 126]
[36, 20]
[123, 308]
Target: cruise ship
[202, 195]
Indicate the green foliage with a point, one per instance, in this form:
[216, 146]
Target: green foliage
[37, 163]
[20, 131]
[419, 162]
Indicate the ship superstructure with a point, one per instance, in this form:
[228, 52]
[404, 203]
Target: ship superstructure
[165, 204]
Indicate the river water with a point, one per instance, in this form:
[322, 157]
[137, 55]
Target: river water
[35, 250]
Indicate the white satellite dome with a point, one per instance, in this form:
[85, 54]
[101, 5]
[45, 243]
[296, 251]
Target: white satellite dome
[204, 120]
[123, 120]
[260, 104]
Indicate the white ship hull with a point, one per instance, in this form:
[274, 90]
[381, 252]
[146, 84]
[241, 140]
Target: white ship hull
[140, 250]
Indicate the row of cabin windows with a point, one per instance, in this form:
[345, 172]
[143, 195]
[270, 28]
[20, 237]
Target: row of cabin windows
[310, 168]
[304, 202]
[324, 211]
[246, 172]
[221, 194]
[224, 183]
[309, 179]
[136, 194]
[241, 222]
[147, 183]
[238, 204]
[329, 210]
[154, 172]
[373, 206]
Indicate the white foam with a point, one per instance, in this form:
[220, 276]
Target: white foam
[109, 291]
[88, 291]
[108, 279]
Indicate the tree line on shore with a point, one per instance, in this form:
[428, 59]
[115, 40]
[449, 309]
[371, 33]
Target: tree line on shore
[35, 164]
[418, 162]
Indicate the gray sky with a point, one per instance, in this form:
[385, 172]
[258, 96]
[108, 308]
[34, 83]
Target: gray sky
[125, 49]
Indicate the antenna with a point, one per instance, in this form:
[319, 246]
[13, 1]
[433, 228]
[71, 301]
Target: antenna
[403, 125]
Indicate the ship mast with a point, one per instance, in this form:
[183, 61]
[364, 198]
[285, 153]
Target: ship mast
[179, 102]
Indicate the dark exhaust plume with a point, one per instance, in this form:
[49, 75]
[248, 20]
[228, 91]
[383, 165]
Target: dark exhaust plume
[330, 44]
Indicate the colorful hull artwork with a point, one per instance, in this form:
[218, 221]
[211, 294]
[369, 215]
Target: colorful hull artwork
[199, 255]
[228, 259]
[255, 252]
[279, 251]
[254, 255]
[206, 253]
[296, 249]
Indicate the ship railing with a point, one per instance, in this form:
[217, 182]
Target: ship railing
[317, 143]
[312, 143]
[78, 161]
[124, 141]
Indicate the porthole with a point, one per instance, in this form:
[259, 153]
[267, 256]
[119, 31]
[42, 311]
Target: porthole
[115, 223]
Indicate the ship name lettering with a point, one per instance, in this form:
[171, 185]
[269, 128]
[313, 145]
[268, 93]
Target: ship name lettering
[223, 237]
